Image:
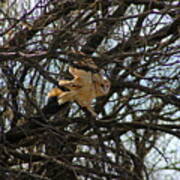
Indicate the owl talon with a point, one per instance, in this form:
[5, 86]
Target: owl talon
[60, 101]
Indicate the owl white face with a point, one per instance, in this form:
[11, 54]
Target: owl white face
[105, 86]
[104, 83]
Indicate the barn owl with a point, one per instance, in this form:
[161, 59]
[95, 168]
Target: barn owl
[83, 88]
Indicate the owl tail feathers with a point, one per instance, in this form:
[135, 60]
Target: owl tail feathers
[52, 106]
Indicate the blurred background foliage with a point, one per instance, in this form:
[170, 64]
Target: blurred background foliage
[136, 136]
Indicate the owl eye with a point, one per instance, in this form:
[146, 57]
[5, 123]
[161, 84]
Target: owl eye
[102, 85]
